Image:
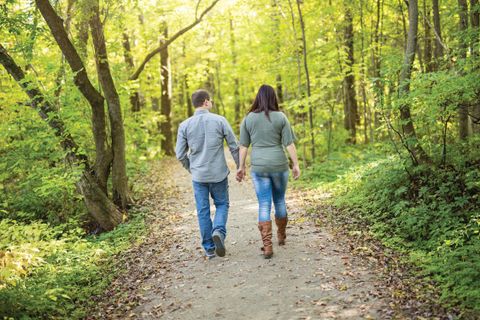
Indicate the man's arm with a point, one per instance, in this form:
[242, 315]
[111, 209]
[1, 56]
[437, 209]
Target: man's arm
[231, 141]
[181, 148]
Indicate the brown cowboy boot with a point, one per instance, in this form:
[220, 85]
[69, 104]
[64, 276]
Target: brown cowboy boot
[265, 228]
[281, 230]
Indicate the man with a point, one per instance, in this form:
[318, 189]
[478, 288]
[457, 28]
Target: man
[200, 150]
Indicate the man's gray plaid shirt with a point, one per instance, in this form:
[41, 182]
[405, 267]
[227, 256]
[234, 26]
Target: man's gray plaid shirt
[200, 146]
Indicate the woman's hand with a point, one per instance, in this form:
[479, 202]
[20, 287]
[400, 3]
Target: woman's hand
[241, 173]
[296, 171]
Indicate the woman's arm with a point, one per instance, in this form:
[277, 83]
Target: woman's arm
[241, 172]
[292, 151]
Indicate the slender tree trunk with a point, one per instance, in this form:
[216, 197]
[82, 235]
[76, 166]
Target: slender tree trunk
[362, 80]
[187, 96]
[463, 26]
[186, 87]
[119, 169]
[412, 144]
[81, 41]
[404, 23]
[427, 41]
[220, 105]
[135, 100]
[307, 77]
[475, 23]
[438, 31]
[59, 81]
[166, 101]
[297, 52]
[376, 64]
[276, 32]
[102, 210]
[299, 80]
[236, 82]
[351, 107]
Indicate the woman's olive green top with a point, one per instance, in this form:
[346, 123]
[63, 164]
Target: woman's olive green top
[268, 139]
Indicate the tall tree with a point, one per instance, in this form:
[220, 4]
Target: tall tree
[135, 97]
[108, 155]
[165, 97]
[362, 79]
[236, 81]
[99, 206]
[438, 34]
[411, 142]
[276, 32]
[307, 77]
[463, 27]
[475, 23]
[376, 65]
[351, 106]
[427, 39]
[119, 166]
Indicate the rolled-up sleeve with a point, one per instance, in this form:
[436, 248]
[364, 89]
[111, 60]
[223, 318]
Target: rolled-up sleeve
[231, 141]
[181, 149]
[244, 134]
[288, 136]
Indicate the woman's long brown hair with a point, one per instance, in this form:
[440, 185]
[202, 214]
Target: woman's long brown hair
[265, 101]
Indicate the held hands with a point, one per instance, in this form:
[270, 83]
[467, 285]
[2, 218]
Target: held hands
[241, 173]
[295, 171]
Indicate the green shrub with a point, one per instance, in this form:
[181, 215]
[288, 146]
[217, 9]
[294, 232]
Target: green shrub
[431, 213]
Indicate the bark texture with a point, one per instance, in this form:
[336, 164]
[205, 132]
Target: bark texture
[411, 142]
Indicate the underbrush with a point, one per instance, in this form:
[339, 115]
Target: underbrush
[52, 271]
[430, 213]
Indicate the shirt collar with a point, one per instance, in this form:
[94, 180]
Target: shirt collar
[201, 111]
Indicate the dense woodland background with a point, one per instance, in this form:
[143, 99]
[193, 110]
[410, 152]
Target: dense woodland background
[384, 97]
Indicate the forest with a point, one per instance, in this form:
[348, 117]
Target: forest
[383, 97]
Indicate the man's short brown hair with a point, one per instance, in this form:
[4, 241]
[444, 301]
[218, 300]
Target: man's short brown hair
[199, 97]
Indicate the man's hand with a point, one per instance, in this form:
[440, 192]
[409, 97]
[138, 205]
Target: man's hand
[295, 171]
[241, 173]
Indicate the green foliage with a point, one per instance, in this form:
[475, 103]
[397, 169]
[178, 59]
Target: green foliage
[52, 271]
[432, 215]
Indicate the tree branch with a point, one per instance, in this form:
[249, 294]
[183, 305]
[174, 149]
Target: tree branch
[149, 56]
[41, 105]
[55, 23]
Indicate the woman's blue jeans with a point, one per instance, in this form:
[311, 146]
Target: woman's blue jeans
[270, 186]
[219, 193]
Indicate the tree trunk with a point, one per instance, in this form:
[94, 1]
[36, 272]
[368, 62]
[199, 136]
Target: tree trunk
[438, 31]
[362, 80]
[297, 52]
[98, 205]
[219, 105]
[427, 41]
[59, 81]
[135, 101]
[236, 82]
[165, 98]
[411, 141]
[81, 80]
[119, 171]
[475, 23]
[276, 32]
[307, 77]
[376, 64]
[463, 26]
[351, 107]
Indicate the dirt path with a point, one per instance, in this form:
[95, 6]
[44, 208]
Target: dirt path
[312, 277]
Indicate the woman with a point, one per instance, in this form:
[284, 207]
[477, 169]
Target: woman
[268, 131]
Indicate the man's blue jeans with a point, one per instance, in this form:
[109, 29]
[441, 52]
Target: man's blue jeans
[268, 186]
[219, 193]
